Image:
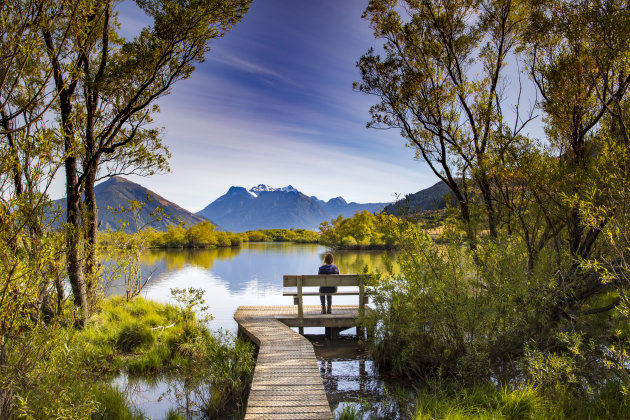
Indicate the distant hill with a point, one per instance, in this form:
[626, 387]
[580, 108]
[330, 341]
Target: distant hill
[432, 198]
[264, 207]
[338, 206]
[117, 191]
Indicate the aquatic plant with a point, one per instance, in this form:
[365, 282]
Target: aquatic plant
[113, 405]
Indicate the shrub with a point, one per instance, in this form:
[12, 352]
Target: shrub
[174, 415]
[231, 367]
[46, 376]
[452, 311]
[155, 359]
[448, 400]
[348, 241]
[132, 336]
[364, 228]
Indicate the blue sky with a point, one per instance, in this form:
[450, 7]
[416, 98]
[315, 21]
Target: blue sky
[274, 104]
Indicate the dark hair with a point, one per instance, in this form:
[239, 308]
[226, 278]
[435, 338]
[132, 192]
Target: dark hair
[328, 259]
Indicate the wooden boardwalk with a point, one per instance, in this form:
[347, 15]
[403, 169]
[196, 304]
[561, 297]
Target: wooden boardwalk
[287, 383]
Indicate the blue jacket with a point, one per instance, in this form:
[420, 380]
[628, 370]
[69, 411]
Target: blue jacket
[328, 269]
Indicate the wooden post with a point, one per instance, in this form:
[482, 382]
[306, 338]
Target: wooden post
[361, 300]
[361, 308]
[300, 303]
[334, 333]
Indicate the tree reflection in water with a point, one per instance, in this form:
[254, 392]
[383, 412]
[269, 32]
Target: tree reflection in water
[252, 275]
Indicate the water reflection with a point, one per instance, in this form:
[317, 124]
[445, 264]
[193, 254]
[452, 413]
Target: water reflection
[154, 396]
[249, 275]
[351, 378]
[252, 275]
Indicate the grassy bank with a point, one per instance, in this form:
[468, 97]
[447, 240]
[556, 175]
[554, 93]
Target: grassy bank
[71, 375]
[453, 401]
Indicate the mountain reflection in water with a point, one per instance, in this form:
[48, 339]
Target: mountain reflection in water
[248, 275]
[252, 275]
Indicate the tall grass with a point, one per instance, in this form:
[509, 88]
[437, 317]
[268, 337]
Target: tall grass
[450, 401]
[482, 402]
[144, 337]
[348, 412]
[112, 405]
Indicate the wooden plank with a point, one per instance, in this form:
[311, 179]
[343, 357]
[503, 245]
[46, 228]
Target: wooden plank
[313, 280]
[281, 388]
[291, 416]
[278, 367]
[338, 293]
[297, 382]
[301, 402]
[289, 395]
[289, 410]
[287, 382]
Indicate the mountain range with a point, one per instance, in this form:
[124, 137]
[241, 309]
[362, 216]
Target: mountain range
[239, 210]
[265, 207]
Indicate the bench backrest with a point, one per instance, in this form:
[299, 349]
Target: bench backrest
[313, 280]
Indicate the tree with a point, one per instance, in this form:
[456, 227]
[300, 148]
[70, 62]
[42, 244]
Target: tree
[25, 91]
[28, 152]
[121, 80]
[563, 196]
[440, 84]
[577, 54]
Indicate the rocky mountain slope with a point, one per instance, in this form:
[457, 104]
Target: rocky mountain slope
[118, 191]
[264, 207]
[432, 198]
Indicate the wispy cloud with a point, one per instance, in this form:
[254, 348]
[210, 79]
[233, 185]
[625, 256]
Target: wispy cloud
[273, 103]
[252, 68]
[210, 156]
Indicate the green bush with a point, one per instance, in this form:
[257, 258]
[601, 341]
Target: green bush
[133, 336]
[231, 368]
[174, 415]
[348, 241]
[57, 371]
[45, 375]
[157, 358]
[455, 312]
[448, 401]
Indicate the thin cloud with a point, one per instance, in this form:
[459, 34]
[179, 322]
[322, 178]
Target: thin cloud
[251, 67]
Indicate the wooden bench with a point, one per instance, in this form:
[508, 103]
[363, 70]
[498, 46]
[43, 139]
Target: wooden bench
[314, 280]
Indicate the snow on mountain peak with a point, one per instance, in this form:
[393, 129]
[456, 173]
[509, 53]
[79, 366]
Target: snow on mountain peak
[288, 188]
[262, 187]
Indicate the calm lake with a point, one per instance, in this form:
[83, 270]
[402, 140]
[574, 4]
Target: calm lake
[252, 275]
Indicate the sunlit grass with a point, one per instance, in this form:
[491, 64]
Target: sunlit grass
[145, 337]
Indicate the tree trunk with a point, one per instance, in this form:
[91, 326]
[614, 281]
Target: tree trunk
[91, 230]
[486, 195]
[73, 235]
[73, 197]
[15, 166]
[464, 208]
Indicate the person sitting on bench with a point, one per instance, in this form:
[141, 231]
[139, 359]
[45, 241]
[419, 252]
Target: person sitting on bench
[327, 268]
